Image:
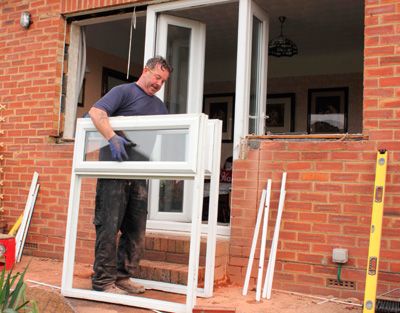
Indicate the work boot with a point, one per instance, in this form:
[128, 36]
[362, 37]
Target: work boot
[128, 285]
[114, 289]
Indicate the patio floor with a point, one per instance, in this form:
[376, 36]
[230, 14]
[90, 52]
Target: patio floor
[43, 278]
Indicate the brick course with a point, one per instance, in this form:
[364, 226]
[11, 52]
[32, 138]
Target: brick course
[332, 210]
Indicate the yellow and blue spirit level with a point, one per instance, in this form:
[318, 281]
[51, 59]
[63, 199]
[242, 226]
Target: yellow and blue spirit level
[375, 233]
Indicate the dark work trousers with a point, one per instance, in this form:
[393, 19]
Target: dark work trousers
[121, 205]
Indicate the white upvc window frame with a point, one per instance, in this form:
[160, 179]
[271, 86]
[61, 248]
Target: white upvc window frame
[262, 61]
[212, 170]
[155, 44]
[196, 56]
[189, 122]
[212, 163]
[248, 9]
[198, 131]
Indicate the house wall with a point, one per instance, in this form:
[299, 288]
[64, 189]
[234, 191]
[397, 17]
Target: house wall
[30, 86]
[329, 186]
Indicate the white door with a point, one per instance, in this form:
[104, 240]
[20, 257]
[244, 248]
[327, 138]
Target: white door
[182, 42]
[251, 69]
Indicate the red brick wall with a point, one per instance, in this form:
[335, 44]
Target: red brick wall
[69, 6]
[30, 82]
[330, 183]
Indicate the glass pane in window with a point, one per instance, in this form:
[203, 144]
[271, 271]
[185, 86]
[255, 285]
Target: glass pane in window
[163, 145]
[171, 196]
[176, 88]
[255, 76]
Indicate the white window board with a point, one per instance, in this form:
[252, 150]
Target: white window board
[197, 131]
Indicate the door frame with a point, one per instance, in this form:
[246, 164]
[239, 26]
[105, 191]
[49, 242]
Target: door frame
[150, 50]
[248, 9]
[244, 35]
[193, 100]
[196, 56]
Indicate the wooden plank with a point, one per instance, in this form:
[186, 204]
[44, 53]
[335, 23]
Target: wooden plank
[311, 136]
[213, 309]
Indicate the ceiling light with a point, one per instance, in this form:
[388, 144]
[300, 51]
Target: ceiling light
[282, 46]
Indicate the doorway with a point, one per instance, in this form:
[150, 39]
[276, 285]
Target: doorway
[209, 73]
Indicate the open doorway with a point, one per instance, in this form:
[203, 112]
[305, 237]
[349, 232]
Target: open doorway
[327, 71]
[106, 66]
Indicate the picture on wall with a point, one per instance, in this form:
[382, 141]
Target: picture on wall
[280, 113]
[327, 110]
[220, 106]
[112, 78]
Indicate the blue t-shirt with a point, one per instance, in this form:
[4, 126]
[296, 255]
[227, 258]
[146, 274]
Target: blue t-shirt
[128, 100]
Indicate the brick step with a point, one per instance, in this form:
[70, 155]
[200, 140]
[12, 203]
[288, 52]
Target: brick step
[166, 259]
[175, 249]
[166, 272]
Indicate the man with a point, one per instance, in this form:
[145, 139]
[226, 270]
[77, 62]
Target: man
[121, 204]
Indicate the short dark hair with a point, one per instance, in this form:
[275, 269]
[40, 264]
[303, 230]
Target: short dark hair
[152, 62]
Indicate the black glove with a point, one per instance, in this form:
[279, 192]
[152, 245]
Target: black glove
[117, 148]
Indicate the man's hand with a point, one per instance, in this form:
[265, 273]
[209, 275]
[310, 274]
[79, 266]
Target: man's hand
[117, 148]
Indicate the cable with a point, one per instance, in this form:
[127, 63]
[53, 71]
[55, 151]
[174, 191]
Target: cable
[133, 26]
[339, 272]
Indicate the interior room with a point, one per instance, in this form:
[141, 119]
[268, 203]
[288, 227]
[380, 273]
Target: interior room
[316, 90]
[330, 54]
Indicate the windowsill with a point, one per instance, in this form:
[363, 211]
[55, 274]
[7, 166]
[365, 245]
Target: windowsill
[340, 137]
[59, 139]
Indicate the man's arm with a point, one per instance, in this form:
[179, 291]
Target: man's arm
[117, 143]
[102, 123]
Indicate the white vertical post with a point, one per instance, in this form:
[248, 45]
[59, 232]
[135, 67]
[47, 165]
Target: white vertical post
[23, 229]
[198, 188]
[263, 242]
[274, 246]
[254, 243]
[243, 67]
[213, 208]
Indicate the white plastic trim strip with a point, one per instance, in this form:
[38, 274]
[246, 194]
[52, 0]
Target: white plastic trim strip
[23, 229]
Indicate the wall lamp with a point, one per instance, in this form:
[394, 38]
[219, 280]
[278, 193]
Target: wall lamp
[25, 20]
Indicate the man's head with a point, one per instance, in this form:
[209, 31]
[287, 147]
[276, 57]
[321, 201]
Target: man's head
[154, 75]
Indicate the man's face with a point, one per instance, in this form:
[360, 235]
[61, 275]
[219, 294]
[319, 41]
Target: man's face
[154, 79]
